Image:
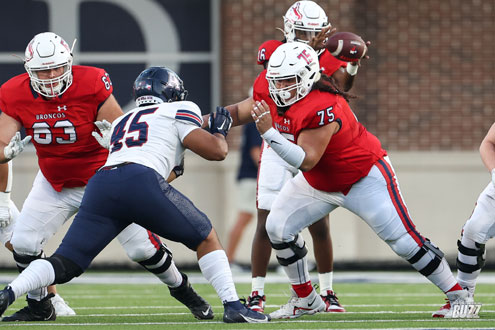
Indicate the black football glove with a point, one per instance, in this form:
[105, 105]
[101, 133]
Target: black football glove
[220, 121]
[179, 169]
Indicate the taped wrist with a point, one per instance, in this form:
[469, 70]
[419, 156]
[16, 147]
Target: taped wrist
[352, 69]
[4, 199]
[288, 151]
[9, 178]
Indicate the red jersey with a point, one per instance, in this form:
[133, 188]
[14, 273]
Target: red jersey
[68, 155]
[352, 151]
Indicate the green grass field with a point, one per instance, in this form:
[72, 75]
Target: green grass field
[150, 306]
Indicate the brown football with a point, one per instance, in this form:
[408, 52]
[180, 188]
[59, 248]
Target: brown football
[346, 46]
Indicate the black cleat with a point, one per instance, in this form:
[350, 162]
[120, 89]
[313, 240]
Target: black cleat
[4, 300]
[35, 311]
[235, 312]
[192, 300]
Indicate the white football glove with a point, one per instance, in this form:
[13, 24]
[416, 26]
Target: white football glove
[15, 146]
[105, 128]
[5, 215]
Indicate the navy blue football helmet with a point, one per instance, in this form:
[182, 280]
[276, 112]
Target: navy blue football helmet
[157, 85]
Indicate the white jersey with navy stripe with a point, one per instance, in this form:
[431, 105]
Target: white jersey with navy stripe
[152, 135]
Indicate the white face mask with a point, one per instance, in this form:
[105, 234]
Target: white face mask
[51, 87]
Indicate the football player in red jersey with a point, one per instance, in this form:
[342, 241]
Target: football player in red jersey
[342, 164]
[304, 21]
[58, 104]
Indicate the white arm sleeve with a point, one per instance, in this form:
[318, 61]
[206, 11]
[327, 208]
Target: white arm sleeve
[288, 151]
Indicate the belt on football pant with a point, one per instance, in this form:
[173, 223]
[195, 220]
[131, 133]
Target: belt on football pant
[113, 167]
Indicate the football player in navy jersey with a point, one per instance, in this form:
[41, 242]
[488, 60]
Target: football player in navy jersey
[145, 145]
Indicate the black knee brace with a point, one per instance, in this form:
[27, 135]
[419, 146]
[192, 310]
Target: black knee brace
[478, 253]
[23, 260]
[65, 269]
[299, 252]
[434, 262]
[156, 264]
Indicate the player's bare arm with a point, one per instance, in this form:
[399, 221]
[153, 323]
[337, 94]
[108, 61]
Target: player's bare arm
[8, 128]
[209, 146]
[4, 174]
[240, 112]
[314, 141]
[487, 149]
[109, 110]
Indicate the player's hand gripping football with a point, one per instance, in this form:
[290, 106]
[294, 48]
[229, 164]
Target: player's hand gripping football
[318, 41]
[105, 129]
[220, 121]
[261, 116]
[15, 146]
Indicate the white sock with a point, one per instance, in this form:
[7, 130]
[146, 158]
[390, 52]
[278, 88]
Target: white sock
[215, 268]
[326, 280]
[297, 272]
[442, 277]
[35, 278]
[171, 277]
[258, 284]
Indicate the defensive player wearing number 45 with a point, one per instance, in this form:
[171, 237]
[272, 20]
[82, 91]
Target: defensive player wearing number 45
[57, 104]
[343, 165]
[146, 143]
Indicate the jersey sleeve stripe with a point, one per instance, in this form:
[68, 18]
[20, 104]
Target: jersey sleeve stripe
[188, 116]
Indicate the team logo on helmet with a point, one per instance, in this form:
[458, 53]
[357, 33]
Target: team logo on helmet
[296, 11]
[63, 43]
[30, 52]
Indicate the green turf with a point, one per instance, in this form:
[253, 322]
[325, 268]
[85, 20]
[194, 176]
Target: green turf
[149, 306]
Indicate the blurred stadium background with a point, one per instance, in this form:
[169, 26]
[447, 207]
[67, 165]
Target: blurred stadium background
[427, 92]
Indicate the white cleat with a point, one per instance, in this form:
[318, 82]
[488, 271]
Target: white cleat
[61, 307]
[297, 307]
[459, 297]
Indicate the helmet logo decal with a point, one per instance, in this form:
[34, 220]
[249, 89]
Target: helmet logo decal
[295, 8]
[63, 43]
[305, 56]
[30, 52]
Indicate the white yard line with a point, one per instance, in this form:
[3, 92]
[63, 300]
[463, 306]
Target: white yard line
[272, 277]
